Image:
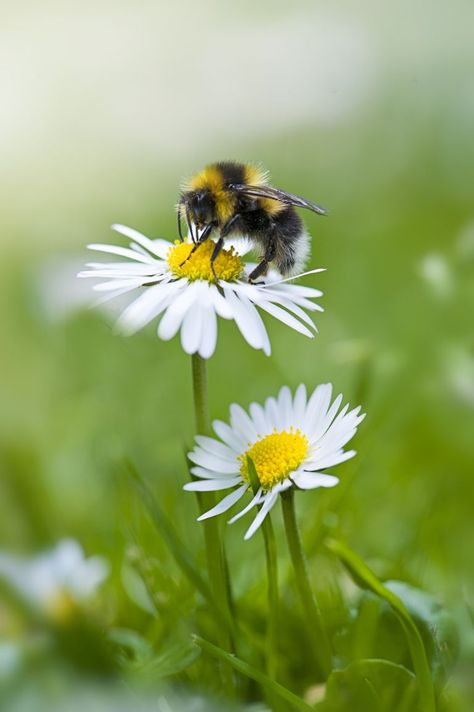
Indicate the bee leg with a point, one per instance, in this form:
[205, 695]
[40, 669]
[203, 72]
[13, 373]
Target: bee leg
[262, 266]
[193, 250]
[225, 229]
[206, 232]
[260, 269]
[215, 252]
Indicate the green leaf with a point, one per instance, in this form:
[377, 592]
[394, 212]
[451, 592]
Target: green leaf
[254, 481]
[370, 685]
[436, 625]
[266, 682]
[132, 641]
[171, 661]
[145, 662]
[365, 578]
[136, 589]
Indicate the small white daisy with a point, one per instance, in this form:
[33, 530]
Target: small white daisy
[54, 581]
[290, 440]
[188, 299]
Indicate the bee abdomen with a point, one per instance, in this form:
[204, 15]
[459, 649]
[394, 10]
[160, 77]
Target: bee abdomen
[292, 242]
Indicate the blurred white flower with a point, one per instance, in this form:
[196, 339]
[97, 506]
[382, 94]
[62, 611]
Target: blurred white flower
[289, 439]
[182, 290]
[54, 580]
[435, 270]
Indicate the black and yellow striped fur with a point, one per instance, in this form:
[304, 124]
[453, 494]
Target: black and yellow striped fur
[234, 198]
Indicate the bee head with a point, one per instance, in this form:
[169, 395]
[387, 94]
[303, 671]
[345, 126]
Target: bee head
[202, 207]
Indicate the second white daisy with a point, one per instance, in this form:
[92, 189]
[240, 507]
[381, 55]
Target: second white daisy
[290, 440]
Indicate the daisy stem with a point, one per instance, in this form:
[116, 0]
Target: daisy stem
[272, 578]
[322, 648]
[201, 406]
[212, 535]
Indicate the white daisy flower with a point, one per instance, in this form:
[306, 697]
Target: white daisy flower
[290, 441]
[184, 293]
[54, 581]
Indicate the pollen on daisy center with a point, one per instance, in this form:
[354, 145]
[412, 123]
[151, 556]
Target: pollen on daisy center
[275, 456]
[227, 266]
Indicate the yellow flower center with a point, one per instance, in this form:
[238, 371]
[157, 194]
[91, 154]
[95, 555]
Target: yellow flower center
[227, 266]
[275, 456]
[61, 608]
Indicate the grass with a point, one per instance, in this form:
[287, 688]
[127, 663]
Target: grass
[78, 400]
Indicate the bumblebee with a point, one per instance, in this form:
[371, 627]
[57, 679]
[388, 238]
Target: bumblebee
[235, 198]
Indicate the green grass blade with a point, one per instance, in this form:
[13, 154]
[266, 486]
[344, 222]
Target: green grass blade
[266, 682]
[176, 546]
[365, 578]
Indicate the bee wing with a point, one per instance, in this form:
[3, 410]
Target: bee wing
[265, 191]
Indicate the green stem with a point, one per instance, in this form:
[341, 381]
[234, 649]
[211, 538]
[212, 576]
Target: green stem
[322, 647]
[206, 500]
[201, 406]
[254, 674]
[272, 583]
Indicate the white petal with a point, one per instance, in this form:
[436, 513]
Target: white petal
[340, 431]
[221, 305]
[225, 504]
[122, 252]
[123, 269]
[191, 330]
[270, 499]
[174, 315]
[329, 460]
[286, 318]
[330, 415]
[205, 474]
[296, 276]
[295, 291]
[248, 321]
[285, 407]
[253, 502]
[307, 480]
[212, 485]
[209, 333]
[213, 462]
[108, 296]
[336, 443]
[114, 284]
[215, 447]
[274, 417]
[260, 421]
[158, 247]
[227, 435]
[241, 422]
[299, 405]
[145, 308]
[317, 407]
[295, 309]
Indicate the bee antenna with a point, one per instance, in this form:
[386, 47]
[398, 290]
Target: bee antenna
[189, 223]
[178, 214]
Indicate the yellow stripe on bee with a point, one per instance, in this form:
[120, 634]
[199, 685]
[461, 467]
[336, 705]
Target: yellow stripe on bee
[272, 207]
[211, 179]
[255, 175]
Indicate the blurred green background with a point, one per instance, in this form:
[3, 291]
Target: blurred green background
[367, 109]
